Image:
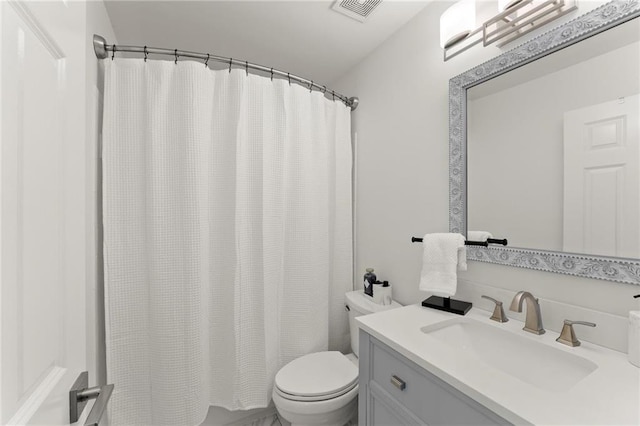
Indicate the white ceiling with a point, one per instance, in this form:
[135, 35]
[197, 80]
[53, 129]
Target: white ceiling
[306, 38]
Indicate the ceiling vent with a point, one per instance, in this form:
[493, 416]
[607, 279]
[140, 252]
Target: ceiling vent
[359, 10]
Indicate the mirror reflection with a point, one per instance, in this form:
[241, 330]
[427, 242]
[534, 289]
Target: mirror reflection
[552, 151]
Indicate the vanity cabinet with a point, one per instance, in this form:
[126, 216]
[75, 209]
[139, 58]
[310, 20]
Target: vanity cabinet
[396, 391]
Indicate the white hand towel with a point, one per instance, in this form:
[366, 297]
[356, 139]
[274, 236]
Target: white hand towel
[478, 235]
[444, 254]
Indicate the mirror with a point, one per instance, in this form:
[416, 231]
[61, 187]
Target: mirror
[548, 149]
[560, 137]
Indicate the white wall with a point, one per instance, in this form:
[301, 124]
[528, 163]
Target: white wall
[402, 188]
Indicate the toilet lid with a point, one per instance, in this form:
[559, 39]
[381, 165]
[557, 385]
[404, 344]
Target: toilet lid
[317, 374]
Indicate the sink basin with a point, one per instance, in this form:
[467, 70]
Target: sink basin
[536, 363]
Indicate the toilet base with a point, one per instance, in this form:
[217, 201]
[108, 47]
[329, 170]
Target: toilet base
[352, 422]
[344, 417]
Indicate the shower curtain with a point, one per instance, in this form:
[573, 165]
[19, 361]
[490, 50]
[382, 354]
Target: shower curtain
[227, 235]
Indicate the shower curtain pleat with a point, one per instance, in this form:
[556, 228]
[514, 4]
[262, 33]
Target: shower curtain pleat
[227, 236]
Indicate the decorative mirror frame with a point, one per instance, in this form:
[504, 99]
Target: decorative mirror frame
[598, 20]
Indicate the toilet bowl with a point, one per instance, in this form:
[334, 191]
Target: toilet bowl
[322, 388]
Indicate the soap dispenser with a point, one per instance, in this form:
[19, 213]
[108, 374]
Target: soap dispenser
[369, 279]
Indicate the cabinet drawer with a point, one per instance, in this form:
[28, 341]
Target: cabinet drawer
[426, 396]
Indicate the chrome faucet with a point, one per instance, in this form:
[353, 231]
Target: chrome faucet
[533, 322]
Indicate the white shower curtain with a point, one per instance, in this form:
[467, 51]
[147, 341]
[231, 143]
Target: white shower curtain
[227, 235]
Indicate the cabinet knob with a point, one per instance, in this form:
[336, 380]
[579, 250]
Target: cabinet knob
[398, 382]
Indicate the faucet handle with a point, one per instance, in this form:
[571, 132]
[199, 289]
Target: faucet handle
[498, 312]
[568, 336]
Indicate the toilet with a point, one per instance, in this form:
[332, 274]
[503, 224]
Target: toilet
[322, 388]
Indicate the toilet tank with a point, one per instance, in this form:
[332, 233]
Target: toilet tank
[360, 304]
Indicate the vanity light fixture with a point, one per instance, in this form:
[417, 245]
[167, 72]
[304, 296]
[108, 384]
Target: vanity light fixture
[514, 19]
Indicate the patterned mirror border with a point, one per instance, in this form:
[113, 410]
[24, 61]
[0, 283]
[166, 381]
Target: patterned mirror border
[600, 267]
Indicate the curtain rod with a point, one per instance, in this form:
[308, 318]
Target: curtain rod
[101, 48]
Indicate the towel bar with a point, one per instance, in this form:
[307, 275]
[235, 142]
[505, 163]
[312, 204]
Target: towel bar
[472, 243]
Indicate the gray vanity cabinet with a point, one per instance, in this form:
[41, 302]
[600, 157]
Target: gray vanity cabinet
[396, 391]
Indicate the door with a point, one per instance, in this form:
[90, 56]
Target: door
[602, 179]
[42, 214]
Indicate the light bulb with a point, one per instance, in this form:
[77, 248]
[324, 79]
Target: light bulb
[506, 4]
[457, 22]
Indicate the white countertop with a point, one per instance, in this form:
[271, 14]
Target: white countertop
[608, 396]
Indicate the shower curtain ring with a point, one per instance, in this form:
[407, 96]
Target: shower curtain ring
[145, 53]
[333, 95]
[271, 74]
[113, 52]
[246, 67]
[289, 78]
[311, 86]
[206, 63]
[324, 90]
[230, 62]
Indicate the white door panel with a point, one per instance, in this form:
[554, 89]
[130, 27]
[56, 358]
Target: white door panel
[42, 127]
[602, 179]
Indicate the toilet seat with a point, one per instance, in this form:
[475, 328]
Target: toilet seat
[305, 398]
[317, 377]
